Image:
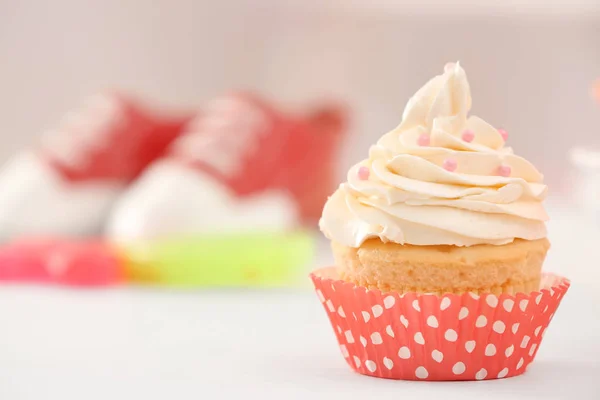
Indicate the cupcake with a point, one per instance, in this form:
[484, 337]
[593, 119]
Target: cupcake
[441, 205]
[436, 236]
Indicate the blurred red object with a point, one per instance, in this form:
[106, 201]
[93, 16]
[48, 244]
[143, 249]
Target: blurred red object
[243, 164]
[113, 139]
[66, 184]
[295, 153]
[61, 261]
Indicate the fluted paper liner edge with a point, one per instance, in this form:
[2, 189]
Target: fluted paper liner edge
[438, 338]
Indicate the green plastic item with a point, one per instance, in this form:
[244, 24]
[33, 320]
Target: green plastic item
[245, 260]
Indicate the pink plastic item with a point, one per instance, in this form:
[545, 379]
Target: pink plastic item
[438, 338]
[74, 263]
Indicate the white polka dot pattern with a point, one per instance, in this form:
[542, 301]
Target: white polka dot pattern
[532, 349]
[509, 350]
[432, 321]
[428, 337]
[451, 335]
[389, 364]
[445, 303]
[515, 327]
[371, 366]
[416, 306]
[376, 338]
[404, 353]
[330, 305]
[458, 368]
[377, 310]
[481, 321]
[470, 346]
[419, 338]
[523, 304]
[490, 350]
[320, 295]
[499, 327]
[366, 316]
[508, 304]
[349, 337]
[404, 321]
[344, 350]
[389, 302]
[481, 374]
[538, 298]
[421, 373]
[389, 330]
[491, 300]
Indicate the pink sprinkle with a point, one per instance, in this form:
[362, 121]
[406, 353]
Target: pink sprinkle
[504, 170]
[423, 140]
[468, 135]
[450, 164]
[363, 173]
[504, 134]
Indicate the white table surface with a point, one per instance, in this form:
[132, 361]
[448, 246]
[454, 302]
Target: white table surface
[132, 343]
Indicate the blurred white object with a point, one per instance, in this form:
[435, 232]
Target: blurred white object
[242, 165]
[66, 183]
[173, 199]
[36, 200]
[587, 180]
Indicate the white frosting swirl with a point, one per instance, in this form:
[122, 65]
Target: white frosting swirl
[410, 197]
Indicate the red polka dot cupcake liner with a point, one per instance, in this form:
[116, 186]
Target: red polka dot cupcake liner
[438, 338]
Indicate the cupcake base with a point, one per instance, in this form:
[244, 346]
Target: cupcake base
[429, 337]
[511, 268]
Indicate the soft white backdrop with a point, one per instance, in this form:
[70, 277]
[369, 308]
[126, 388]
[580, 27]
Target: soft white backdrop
[530, 63]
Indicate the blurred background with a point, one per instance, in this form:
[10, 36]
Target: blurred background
[530, 63]
[532, 66]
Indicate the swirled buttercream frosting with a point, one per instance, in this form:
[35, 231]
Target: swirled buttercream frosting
[441, 177]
